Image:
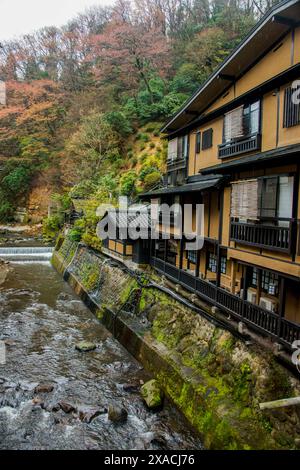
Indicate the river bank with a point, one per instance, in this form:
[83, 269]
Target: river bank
[215, 380]
[54, 397]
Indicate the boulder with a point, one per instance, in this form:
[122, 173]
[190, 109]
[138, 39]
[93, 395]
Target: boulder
[44, 388]
[85, 346]
[117, 414]
[152, 394]
[66, 407]
[88, 414]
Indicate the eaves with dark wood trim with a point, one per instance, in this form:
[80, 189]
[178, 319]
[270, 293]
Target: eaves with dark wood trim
[276, 24]
[281, 79]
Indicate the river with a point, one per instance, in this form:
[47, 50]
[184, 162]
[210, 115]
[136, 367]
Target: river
[41, 320]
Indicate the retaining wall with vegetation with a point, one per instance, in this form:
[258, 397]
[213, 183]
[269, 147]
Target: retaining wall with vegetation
[212, 377]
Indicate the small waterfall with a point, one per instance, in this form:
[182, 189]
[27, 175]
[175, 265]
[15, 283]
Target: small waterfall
[26, 254]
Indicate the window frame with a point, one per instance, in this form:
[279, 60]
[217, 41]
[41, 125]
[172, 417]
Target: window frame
[245, 135]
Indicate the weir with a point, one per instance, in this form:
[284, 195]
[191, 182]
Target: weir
[26, 254]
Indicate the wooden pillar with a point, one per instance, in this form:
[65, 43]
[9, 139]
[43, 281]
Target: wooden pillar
[221, 204]
[282, 299]
[233, 275]
[258, 288]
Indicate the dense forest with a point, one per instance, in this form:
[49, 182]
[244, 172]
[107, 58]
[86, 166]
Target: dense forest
[85, 102]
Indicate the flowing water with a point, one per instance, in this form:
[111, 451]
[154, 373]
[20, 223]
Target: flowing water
[41, 320]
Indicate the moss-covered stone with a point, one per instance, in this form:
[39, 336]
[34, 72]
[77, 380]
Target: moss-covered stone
[152, 394]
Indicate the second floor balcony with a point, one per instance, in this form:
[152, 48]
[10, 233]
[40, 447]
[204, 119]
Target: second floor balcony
[274, 235]
[240, 146]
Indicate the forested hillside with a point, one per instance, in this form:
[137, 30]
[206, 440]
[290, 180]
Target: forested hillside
[85, 101]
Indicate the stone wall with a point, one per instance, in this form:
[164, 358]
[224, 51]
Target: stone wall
[211, 376]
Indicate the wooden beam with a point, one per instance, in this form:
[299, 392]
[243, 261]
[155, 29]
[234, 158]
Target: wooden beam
[192, 113]
[284, 20]
[224, 76]
[271, 405]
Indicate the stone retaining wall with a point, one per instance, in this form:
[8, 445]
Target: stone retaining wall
[213, 378]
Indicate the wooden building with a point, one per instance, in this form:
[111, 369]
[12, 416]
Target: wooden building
[235, 147]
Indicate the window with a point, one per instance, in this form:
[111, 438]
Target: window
[269, 281]
[198, 142]
[172, 149]
[178, 148]
[276, 197]
[183, 147]
[223, 265]
[172, 250]
[207, 139]
[291, 115]
[192, 256]
[263, 198]
[244, 199]
[242, 122]
[212, 263]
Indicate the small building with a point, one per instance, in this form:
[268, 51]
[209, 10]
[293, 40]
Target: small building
[119, 244]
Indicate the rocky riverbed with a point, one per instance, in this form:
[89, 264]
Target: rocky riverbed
[53, 396]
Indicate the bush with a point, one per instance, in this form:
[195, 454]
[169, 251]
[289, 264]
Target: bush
[51, 227]
[6, 211]
[152, 145]
[127, 183]
[92, 240]
[17, 181]
[133, 161]
[152, 179]
[119, 122]
[143, 137]
[76, 233]
[146, 171]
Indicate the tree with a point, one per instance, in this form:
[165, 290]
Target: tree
[89, 148]
[130, 55]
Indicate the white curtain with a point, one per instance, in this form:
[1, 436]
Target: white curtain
[233, 124]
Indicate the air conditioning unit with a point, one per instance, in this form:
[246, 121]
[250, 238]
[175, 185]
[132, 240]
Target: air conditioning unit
[268, 304]
[251, 296]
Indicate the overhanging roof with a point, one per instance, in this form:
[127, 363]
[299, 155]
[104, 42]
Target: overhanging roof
[205, 183]
[257, 43]
[275, 155]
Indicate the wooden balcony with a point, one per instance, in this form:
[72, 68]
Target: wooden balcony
[273, 236]
[261, 320]
[177, 164]
[240, 146]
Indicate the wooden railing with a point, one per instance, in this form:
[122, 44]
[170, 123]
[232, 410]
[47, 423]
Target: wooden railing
[257, 318]
[177, 164]
[237, 147]
[276, 237]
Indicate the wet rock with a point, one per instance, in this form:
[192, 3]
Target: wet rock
[117, 414]
[38, 402]
[131, 388]
[152, 394]
[67, 407]
[85, 346]
[87, 415]
[44, 388]
[160, 439]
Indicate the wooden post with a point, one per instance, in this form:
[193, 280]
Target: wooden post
[271, 405]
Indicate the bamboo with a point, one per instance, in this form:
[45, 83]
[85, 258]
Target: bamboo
[280, 403]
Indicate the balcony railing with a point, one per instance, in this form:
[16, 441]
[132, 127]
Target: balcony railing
[243, 145]
[257, 318]
[177, 164]
[274, 237]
